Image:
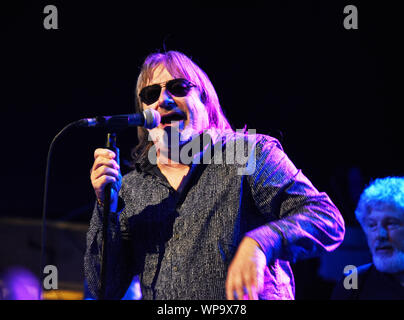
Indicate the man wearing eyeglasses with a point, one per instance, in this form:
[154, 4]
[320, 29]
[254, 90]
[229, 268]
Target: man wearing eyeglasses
[203, 230]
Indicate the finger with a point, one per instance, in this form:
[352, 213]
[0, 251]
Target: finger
[102, 161]
[229, 294]
[104, 171]
[250, 281]
[102, 152]
[247, 294]
[238, 290]
[101, 182]
[254, 294]
[234, 285]
[229, 288]
[251, 293]
[251, 284]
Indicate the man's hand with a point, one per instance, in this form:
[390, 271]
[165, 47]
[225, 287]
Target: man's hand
[106, 170]
[245, 276]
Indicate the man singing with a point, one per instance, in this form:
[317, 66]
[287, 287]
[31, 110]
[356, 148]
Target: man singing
[213, 227]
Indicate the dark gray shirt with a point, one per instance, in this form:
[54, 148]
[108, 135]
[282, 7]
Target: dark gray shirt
[180, 243]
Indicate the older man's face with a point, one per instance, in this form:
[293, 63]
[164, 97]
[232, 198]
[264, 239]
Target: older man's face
[384, 229]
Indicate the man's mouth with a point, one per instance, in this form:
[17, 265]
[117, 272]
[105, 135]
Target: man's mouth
[384, 249]
[173, 115]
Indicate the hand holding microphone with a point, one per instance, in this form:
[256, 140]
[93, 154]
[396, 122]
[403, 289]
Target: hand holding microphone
[106, 170]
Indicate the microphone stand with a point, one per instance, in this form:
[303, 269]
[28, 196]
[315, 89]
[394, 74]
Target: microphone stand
[111, 145]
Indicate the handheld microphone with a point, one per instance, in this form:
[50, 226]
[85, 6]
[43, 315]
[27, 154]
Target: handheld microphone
[149, 119]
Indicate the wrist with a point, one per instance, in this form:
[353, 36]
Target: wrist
[253, 242]
[100, 202]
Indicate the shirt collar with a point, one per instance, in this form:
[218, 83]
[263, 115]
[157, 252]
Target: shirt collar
[205, 140]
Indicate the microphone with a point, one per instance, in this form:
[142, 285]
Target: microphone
[149, 119]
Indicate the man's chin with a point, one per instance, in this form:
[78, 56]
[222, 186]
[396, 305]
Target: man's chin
[176, 131]
[389, 263]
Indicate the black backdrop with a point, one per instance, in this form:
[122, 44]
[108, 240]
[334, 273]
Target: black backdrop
[288, 69]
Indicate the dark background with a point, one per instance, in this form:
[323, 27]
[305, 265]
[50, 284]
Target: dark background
[288, 69]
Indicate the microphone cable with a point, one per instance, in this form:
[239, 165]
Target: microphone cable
[45, 206]
[149, 119]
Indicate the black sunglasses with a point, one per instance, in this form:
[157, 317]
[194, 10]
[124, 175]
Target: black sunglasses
[177, 87]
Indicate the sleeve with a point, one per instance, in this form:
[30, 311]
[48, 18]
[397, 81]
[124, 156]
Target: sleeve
[303, 222]
[118, 263]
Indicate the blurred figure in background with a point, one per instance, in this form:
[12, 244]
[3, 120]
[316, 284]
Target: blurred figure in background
[18, 283]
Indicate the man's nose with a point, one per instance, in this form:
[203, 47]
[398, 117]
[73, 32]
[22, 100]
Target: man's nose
[382, 233]
[166, 101]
